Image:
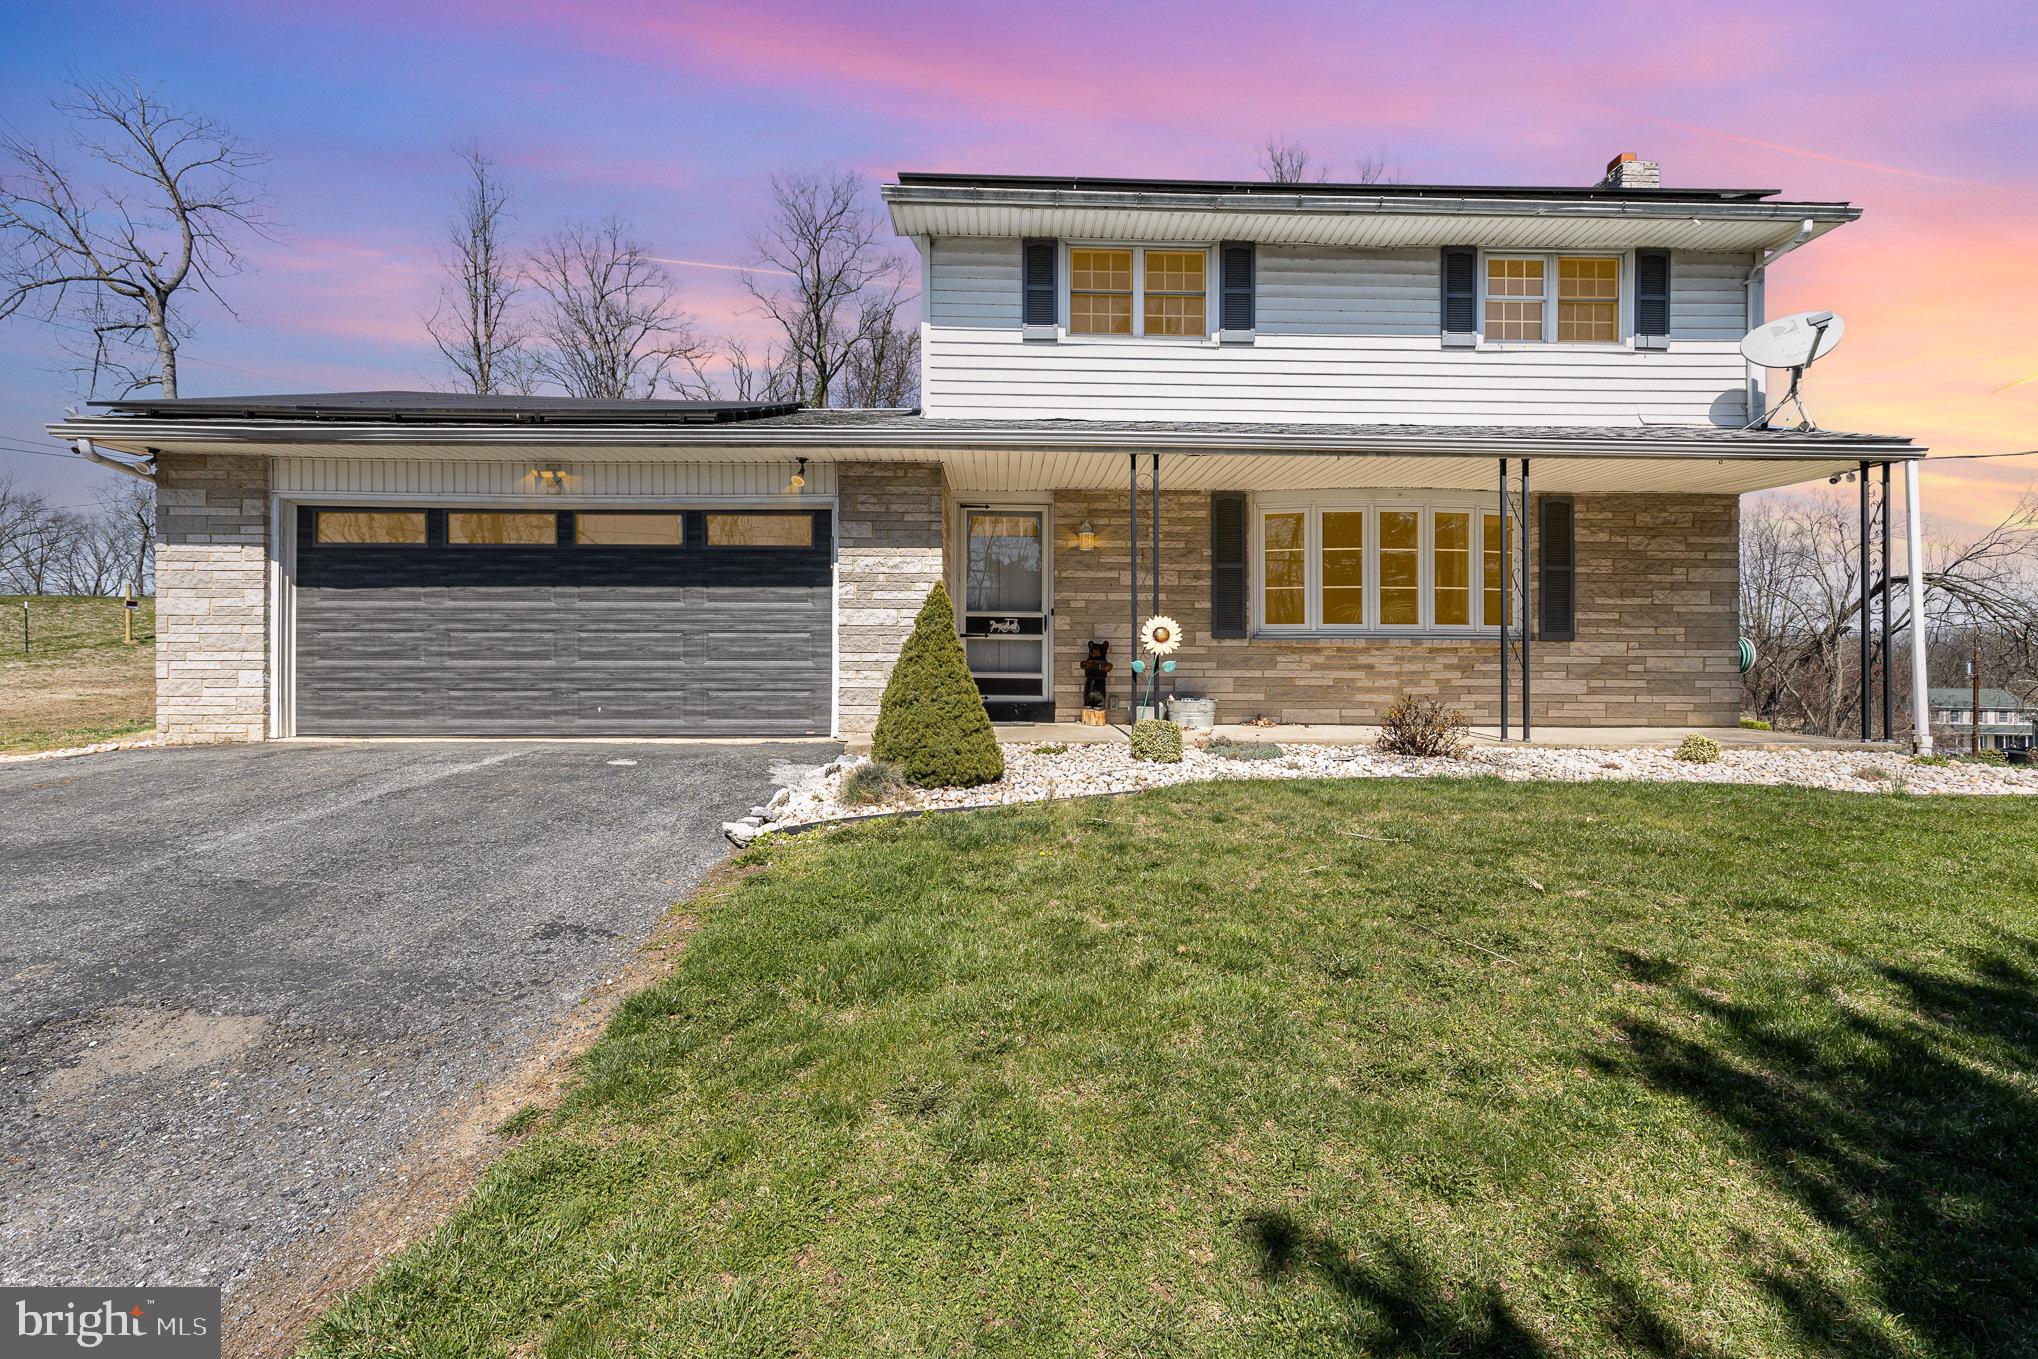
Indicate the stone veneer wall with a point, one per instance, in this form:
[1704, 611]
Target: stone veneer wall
[889, 525]
[1657, 620]
[212, 597]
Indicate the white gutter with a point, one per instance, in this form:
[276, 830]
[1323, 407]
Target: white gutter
[1755, 287]
[145, 471]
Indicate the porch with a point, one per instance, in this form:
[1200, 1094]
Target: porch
[1579, 585]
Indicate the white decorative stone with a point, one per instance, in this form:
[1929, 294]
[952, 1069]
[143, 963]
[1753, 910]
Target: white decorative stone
[1088, 770]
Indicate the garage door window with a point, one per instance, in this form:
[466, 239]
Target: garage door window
[371, 526]
[628, 530]
[502, 529]
[760, 530]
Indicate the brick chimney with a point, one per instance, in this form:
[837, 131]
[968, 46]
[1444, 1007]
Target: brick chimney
[1626, 172]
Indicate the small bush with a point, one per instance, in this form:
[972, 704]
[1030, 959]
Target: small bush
[1991, 757]
[1755, 724]
[1157, 740]
[1696, 749]
[1423, 727]
[1935, 761]
[1050, 748]
[869, 784]
[1872, 773]
[931, 722]
[1232, 749]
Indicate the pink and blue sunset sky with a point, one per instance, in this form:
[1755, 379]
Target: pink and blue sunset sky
[675, 114]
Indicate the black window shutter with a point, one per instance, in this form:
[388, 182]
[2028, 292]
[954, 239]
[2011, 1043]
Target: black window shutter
[1236, 311]
[1040, 307]
[1461, 290]
[1557, 592]
[1227, 564]
[1652, 292]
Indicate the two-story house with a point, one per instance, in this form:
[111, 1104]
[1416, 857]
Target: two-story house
[1482, 443]
[2007, 722]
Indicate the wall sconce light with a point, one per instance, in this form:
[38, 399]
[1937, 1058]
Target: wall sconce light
[1086, 538]
[551, 478]
[799, 480]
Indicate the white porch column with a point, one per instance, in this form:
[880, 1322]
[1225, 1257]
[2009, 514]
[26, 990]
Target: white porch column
[1914, 570]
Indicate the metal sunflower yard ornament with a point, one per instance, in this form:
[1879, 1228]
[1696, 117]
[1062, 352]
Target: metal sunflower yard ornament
[1160, 637]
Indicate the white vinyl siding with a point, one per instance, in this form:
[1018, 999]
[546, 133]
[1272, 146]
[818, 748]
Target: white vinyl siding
[975, 283]
[1305, 291]
[1707, 301]
[1342, 336]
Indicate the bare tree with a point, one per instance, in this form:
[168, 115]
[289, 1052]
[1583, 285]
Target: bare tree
[884, 367]
[473, 324]
[116, 257]
[612, 326]
[728, 372]
[1801, 600]
[1284, 160]
[37, 541]
[127, 521]
[845, 278]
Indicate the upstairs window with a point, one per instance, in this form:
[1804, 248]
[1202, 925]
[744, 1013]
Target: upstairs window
[1100, 292]
[1139, 290]
[1514, 299]
[1553, 299]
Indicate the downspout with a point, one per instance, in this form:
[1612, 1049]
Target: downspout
[145, 471]
[1756, 309]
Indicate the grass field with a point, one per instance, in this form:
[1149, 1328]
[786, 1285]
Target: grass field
[78, 682]
[1384, 1068]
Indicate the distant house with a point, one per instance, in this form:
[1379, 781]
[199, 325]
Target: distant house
[1299, 419]
[2007, 722]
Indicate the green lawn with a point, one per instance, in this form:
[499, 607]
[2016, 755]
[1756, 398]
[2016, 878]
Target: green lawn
[1425, 1068]
[78, 681]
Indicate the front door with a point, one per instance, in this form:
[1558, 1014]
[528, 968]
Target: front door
[1005, 603]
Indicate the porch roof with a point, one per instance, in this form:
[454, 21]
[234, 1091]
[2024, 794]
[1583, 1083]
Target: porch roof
[1040, 455]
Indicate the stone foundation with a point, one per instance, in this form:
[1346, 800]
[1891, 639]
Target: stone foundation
[1657, 625]
[212, 598]
[890, 526]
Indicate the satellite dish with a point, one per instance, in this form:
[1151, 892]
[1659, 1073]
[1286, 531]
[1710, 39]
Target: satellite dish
[1793, 342]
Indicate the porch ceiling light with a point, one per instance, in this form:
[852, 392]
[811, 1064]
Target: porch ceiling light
[1086, 538]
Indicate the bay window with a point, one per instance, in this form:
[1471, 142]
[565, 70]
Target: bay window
[1353, 563]
[1139, 290]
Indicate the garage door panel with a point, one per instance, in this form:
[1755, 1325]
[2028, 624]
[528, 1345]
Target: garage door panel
[439, 639]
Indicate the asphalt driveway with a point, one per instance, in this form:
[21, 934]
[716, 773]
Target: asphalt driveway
[235, 982]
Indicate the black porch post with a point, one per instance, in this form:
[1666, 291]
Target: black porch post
[1527, 713]
[1506, 600]
[1154, 561]
[1132, 544]
[1867, 731]
[1888, 690]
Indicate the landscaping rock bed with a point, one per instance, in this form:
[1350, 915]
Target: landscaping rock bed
[1036, 775]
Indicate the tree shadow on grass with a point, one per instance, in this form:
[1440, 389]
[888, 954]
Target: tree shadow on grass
[1402, 1307]
[1904, 1121]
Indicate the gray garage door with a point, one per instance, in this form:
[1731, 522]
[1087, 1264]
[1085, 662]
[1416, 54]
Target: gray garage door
[452, 622]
